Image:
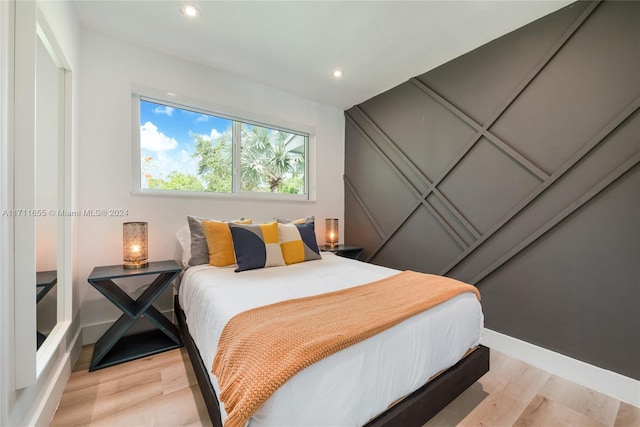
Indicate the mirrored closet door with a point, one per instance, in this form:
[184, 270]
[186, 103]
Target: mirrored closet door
[41, 194]
[49, 138]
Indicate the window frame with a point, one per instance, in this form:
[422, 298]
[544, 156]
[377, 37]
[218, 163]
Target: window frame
[237, 116]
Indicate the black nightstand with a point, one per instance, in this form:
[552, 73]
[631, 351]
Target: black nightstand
[346, 251]
[113, 347]
[45, 281]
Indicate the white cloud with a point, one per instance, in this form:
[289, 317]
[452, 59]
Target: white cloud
[153, 140]
[164, 164]
[164, 110]
[214, 134]
[202, 118]
[211, 137]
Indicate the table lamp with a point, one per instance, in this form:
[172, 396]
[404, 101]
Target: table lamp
[134, 245]
[331, 228]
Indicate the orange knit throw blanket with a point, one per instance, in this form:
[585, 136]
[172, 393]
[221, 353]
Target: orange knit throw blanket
[262, 348]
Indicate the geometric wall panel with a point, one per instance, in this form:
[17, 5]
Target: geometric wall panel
[515, 168]
[408, 248]
[569, 108]
[477, 185]
[428, 133]
[381, 188]
[564, 303]
[481, 80]
[358, 223]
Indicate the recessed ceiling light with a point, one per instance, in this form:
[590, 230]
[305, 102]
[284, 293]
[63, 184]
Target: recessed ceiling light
[337, 73]
[189, 10]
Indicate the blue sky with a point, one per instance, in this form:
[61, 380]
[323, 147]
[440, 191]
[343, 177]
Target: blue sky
[167, 135]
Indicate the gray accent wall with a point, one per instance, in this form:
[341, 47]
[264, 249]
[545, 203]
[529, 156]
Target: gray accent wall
[515, 168]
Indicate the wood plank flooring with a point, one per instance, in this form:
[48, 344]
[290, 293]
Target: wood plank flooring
[161, 390]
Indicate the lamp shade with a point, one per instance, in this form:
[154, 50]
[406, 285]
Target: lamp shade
[331, 229]
[134, 245]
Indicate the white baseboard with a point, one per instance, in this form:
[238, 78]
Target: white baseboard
[610, 383]
[47, 404]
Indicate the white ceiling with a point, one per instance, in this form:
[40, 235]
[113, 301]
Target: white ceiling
[296, 45]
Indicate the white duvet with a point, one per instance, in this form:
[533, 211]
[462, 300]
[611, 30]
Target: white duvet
[352, 386]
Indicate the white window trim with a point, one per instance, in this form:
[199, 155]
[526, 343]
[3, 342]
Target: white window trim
[236, 114]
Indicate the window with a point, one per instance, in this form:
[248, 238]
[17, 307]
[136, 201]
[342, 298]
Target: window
[184, 149]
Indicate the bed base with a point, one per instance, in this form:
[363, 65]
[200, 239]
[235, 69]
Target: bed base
[414, 410]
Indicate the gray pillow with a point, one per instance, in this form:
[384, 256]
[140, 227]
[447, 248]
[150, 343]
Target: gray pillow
[199, 248]
[304, 220]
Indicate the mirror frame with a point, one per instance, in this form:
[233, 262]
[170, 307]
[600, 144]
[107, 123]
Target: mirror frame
[30, 362]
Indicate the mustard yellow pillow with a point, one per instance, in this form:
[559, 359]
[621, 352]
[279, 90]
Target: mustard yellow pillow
[220, 243]
[298, 242]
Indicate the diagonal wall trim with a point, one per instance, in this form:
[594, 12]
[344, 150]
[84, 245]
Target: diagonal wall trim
[483, 131]
[373, 221]
[396, 228]
[557, 219]
[543, 63]
[510, 99]
[391, 144]
[364, 207]
[566, 166]
[431, 188]
[409, 185]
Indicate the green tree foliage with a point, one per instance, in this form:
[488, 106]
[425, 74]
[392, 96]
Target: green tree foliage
[270, 160]
[215, 162]
[176, 181]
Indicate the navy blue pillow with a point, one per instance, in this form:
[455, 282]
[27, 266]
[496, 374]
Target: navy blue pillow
[256, 245]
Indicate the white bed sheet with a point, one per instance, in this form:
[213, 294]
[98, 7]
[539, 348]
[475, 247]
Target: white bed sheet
[352, 386]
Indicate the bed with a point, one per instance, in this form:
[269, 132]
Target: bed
[401, 376]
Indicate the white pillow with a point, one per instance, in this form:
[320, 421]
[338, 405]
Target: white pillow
[184, 238]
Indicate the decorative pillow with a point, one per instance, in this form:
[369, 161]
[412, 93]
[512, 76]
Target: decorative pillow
[297, 221]
[219, 242]
[256, 246]
[199, 249]
[298, 242]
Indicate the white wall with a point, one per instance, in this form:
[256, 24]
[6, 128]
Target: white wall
[110, 68]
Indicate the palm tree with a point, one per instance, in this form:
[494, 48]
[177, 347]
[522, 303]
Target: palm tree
[269, 157]
[270, 160]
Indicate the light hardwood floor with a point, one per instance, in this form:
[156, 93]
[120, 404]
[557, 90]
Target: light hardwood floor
[162, 391]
